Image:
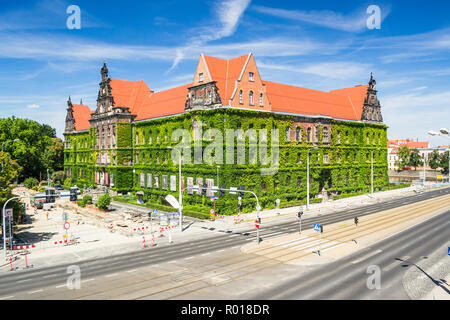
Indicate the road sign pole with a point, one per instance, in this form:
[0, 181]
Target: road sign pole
[300, 225]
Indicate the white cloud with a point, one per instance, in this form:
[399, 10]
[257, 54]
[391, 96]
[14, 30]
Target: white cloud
[336, 70]
[355, 22]
[33, 106]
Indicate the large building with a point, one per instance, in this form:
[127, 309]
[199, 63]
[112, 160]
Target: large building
[126, 142]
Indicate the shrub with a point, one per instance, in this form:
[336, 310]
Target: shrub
[81, 203]
[30, 182]
[104, 201]
[87, 199]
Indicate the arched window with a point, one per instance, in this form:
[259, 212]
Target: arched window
[240, 97]
[261, 104]
[325, 134]
[309, 134]
[297, 134]
[250, 98]
[287, 134]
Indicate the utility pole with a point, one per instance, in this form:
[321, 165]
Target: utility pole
[307, 181]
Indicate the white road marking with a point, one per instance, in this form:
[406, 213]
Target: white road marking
[205, 254]
[4, 298]
[111, 275]
[60, 286]
[23, 280]
[188, 258]
[134, 270]
[366, 256]
[221, 250]
[88, 280]
[40, 290]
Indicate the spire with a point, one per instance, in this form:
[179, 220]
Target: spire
[104, 71]
[81, 101]
[69, 101]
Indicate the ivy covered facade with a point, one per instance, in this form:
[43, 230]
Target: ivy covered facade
[128, 152]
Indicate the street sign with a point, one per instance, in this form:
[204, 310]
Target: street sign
[65, 216]
[66, 226]
[233, 190]
[257, 224]
[155, 211]
[316, 227]
[9, 213]
[212, 211]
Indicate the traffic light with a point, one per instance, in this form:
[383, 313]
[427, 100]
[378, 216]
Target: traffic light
[299, 214]
[356, 220]
[204, 189]
[241, 194]
[73, 194]
[222, 192]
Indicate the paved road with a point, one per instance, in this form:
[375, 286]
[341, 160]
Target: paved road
[20, 281]
[347, 278]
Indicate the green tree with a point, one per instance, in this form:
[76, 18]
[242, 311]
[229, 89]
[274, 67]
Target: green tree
[58, 177]
[104, 201]
[444, 161]
[415, 159]
[403, 157]
[38, 147]
[30, 182]
[9, 173]
[434, 159]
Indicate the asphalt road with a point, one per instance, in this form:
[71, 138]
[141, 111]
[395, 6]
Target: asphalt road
[347, 278]
[20, 281]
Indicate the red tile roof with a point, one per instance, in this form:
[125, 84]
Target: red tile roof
[344, 103]
[292, 99]
[82, 115]
[225, 72]
[163, 103]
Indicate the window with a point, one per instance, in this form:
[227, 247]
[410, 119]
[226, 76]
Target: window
[298, 134]
[287, 133]
[309, 134]
[326, 158]
[251, 76]
[317, 129]
[325, 134]
[200, 77]
[299, 181]
[240, 97]
[250, 98]
[261, 100]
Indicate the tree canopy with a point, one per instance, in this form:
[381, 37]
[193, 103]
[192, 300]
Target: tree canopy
[38, 147]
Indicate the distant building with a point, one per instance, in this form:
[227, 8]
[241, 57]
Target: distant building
[423, 146]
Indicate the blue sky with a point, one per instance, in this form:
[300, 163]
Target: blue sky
[321, 45]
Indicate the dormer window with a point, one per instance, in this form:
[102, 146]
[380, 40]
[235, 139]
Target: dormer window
[200, 77]
[251, 76]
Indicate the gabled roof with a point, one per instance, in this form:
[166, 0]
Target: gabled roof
[129, 94]
[225, 72]
[82, 115]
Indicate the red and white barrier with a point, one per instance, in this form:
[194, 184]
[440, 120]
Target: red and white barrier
[143, 242]
[23, 247]
[111, 228]
[153, 240]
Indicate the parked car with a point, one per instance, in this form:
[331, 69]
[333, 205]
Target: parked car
[59, 187]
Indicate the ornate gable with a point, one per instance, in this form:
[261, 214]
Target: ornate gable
[372, 108]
